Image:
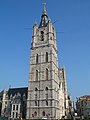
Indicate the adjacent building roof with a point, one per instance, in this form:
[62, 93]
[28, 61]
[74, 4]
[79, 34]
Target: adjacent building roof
[13, 91]
[85, 97]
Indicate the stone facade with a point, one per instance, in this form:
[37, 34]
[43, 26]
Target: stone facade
[47, 92]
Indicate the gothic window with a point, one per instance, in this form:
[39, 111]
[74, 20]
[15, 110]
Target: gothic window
[35, 103]
[42, 36]
[46, 103]
[46, 56]
[37, 59]
[46, 74]
[36, 93]
[46, 90]
[36, 74]
[46, 93]
[36, 89]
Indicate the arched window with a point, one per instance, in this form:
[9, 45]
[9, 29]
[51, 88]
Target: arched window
[36, 89]
[42, 36]
[46, 74]
[37, 59]
[46, 88]
[46, 56]
[36, 74]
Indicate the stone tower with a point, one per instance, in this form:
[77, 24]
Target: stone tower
[45, 89]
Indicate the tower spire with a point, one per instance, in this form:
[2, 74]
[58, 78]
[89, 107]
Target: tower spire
[44, 17]
[44, 9]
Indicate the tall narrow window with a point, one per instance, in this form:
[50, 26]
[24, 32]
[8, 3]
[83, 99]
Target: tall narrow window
[35, 103]
[37, 59]
[46, 103]
[46, 56]
[42, 36]
[13, 114]
[46, 74]
[13, 107]
[36, 74]
[17, 107]
[36, 93]
[16, 114]
[46, 93]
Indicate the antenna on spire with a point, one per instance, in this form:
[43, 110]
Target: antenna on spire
[44, 10]
[44, 1]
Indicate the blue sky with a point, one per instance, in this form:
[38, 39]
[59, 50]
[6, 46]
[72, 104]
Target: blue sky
[73, 18]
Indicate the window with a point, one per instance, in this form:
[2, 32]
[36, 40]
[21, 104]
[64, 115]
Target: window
[46, 74]
[36, 93]
[16, 114]
[36, 89]
[42, 36]
[13, 107]
[46, 103]
[46, 56]
[17, 107]
[37, 59]
[35, 103]
[5, 102]
[13, 114]
[43, 113]
[36, 74]
[46, 90]
[46, 93]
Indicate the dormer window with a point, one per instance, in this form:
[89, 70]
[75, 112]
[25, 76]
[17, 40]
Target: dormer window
[42, 36]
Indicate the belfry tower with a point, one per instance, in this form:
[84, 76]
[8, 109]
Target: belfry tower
[44, 87]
